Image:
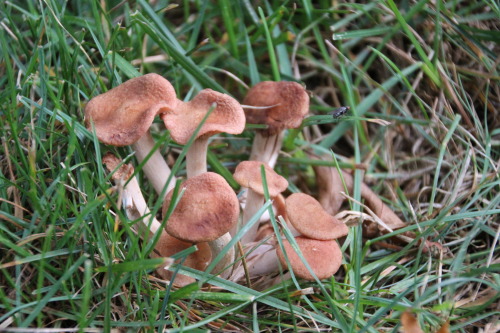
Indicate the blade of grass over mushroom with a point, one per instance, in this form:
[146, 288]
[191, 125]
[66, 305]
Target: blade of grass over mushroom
[135, 265]
[238, 236]
[178, 163]
[218, 167]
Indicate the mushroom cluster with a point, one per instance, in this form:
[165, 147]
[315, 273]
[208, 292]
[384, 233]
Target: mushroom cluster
[204, 210]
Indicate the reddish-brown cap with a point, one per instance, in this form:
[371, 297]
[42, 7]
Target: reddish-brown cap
[289, 101]
[310, 219]
[207, 210]
[247, 174]
[124, 114]
[227, 116]
[324, 257]
[168, 246]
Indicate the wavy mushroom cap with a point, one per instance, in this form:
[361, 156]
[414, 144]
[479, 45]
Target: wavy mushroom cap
[310, 219]
[124, 114]
[247, 174]
[227, 116]
[289, 101]
[207, 210]
[324, 257]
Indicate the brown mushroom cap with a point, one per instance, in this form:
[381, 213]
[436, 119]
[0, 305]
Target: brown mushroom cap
[290, 98]
[324, 257]
[124, 114]
[168, 246]
[310, 219]
[247, 174]
[227, 117]
[207, 210]
[124, 172]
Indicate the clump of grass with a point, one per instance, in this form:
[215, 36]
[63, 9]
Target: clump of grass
[431, 70]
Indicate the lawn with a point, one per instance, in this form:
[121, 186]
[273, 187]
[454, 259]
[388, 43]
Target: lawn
[419, 81]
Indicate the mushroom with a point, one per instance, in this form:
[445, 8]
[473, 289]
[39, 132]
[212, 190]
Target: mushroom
[168, 245]
[207, 210]
[287, 104]
[133, 201]
[323, 256]
[310, 219]
[248, 174]
[182, 121]
[123, 115]
[331, 185]
[136, 208]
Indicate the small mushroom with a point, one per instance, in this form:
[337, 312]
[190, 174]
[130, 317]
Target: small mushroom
[136, 208]
[324, 257]
[331, 185]
[182, 121]
[168, 245]
[310, 219]
[123, 115]
[207, 210]
[287, 104]
[133, 201]
[248, 174]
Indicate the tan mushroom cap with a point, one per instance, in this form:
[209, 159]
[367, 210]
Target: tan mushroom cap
[168, 246]
[124, 114]
[207, 210]
[324, 257]
[227, 117]
[124, 171]
[310, 219]
[247, 174]
[290, 98]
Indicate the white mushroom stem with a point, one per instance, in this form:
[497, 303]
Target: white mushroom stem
[266, 148]
[155, 168]
[196, 157]
[261, 261]
[136, 207]
[254, 202]
[216, 247]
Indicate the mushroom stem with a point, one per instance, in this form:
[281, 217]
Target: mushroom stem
[254, 202]
[155, 168]
[265, 148]
[261, 261]
[136, 207]
[216, 247]
[196, 157]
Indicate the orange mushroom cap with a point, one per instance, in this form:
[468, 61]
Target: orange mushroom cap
[310, 219]
[227, 117]
[124, 114]
[290, 103]
[247, 174]
[207, 210]
[324, 257]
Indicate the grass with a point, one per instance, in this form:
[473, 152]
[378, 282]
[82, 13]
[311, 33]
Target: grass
[431, 69]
